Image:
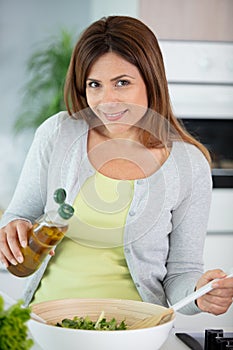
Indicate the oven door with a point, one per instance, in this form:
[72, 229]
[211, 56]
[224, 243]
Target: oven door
[217, 136]
[200, 79]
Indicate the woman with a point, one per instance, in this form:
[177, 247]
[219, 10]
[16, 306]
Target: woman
[140, 184]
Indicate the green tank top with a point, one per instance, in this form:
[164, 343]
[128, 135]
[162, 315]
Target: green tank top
[90, 262]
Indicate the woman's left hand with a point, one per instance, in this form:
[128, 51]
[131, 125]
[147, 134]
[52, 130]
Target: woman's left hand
[218, 300]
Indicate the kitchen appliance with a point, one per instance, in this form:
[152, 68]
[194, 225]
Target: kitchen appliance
[211, 339]
[200, 79]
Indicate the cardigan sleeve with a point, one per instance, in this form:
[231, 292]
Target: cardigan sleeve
[186, 241]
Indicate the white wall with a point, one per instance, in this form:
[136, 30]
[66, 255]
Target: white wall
[23, 25]
[112, 7]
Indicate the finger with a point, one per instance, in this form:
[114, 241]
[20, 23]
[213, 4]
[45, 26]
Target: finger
[13, 243]
[6, 254]
[224, 283]
[222, 292]
[22, 228]
[217, 309]
[52, 252]
[213, 274]
[214, 305]
[209, 276]
[220, 305]
[3, 260]
[221, 300]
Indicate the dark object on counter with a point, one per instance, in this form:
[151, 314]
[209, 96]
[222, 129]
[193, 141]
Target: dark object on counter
[191, 342]
[224, 343]
[210, 338]
[215, 340]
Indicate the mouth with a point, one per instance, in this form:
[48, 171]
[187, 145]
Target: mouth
[114, 116]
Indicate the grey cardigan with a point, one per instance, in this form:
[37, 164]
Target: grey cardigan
[166, 223]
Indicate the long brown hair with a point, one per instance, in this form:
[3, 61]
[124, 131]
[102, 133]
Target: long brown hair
[136, 43]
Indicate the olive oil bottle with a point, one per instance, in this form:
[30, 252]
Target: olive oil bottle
[47, 232]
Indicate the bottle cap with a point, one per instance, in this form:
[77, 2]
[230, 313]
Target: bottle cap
[65, 211]
[59, 195]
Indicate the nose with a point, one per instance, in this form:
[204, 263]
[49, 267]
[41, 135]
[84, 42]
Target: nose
[109, 95]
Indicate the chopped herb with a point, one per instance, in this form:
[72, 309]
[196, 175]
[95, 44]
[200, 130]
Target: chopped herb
[86, 323]
[13, 327]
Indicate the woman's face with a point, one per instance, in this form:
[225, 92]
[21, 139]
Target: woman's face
[117, 94]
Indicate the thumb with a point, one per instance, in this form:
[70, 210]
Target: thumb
[209, 276]
[22, 228]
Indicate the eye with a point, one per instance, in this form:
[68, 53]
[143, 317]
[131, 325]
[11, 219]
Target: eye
[93, 84]
[122, 83]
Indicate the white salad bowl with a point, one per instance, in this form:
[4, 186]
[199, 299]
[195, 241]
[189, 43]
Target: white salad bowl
[50, 337]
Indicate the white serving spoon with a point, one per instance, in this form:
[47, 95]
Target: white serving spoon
[166, 315]
[12, 301]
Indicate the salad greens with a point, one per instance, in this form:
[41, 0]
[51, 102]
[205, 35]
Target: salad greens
[13, 327]
[86, 323]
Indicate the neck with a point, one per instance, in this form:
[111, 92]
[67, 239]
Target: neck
[131, 135]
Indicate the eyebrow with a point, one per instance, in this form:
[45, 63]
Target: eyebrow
[113, 79]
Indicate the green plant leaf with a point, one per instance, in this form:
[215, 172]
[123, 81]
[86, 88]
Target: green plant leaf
[43, 92]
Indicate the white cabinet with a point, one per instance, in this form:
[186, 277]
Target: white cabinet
[221, 214]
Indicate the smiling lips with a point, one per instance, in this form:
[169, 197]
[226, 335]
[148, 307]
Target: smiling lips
[114, 116]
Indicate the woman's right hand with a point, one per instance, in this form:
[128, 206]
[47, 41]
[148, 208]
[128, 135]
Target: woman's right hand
[12, 236]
